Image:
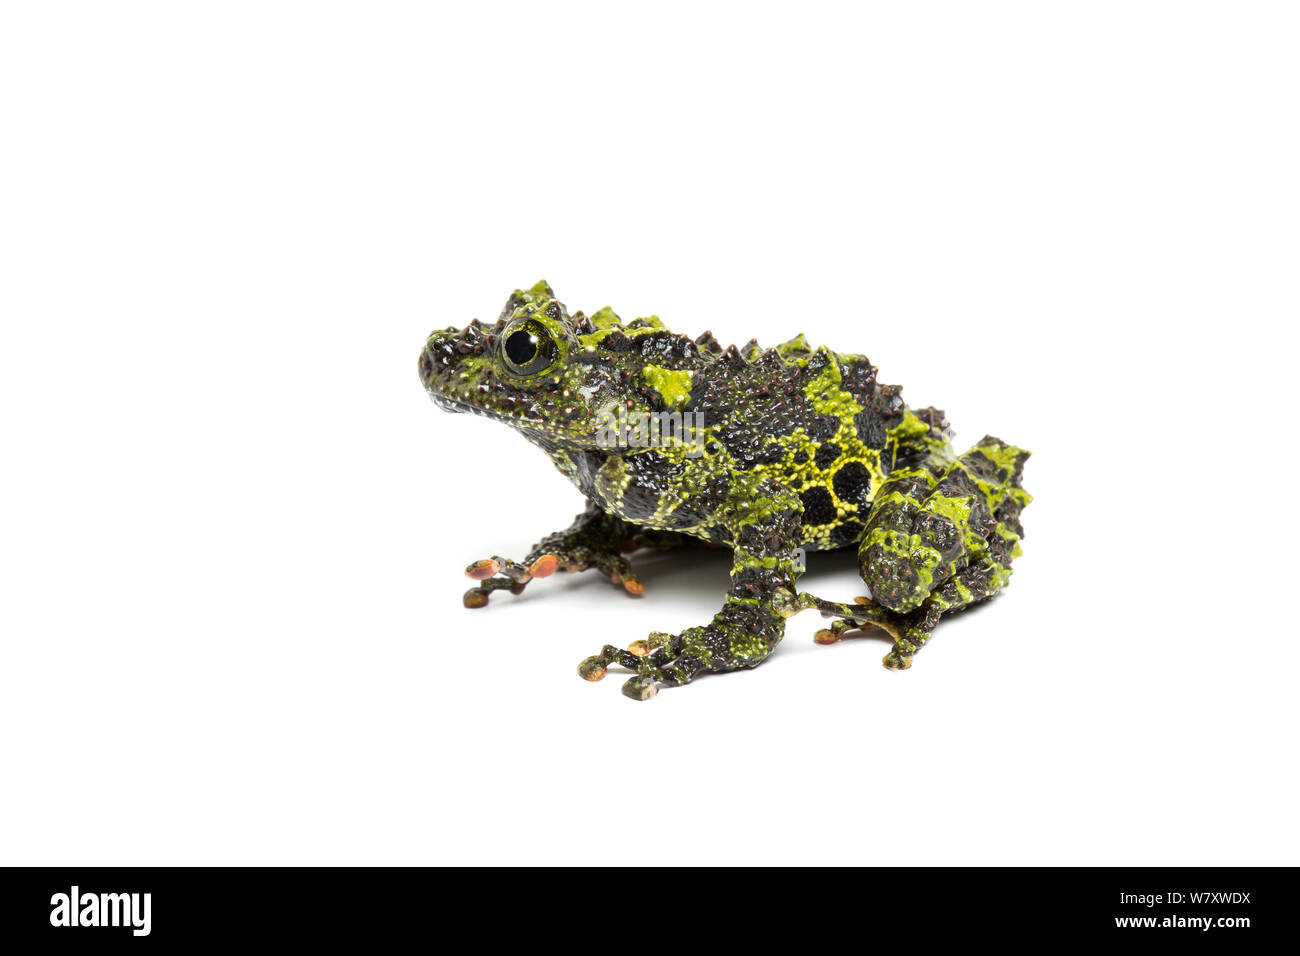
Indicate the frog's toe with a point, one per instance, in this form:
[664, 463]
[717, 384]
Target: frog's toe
[829, 635]
[647, 645]
[900, 655]
[544, 566]
[477, 597]
[486, 568]
[619, 571]
[592, 668]
[483, 569]
[640, 688]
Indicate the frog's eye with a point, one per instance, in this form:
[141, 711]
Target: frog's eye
[527, 348]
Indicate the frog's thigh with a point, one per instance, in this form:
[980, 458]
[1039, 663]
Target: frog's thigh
[922, 529]
[914, 539]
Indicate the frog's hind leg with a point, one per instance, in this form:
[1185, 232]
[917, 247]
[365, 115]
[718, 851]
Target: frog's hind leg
[939, 539]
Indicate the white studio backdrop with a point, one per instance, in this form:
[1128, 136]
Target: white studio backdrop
[234, 528]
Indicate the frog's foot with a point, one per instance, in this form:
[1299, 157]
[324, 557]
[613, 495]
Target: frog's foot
[740, 635]
[665, 659]
[910, 631]
[863, 615]
[497, 573]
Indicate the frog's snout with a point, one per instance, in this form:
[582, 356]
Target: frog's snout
[446, 350]
[435, 360]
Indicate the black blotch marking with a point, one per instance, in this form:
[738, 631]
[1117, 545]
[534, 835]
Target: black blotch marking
[818, 508]
[827, 454]
[852, 484]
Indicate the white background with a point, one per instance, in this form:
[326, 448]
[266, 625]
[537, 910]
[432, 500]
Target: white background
[234, 528]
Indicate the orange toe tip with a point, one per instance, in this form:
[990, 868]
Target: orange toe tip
[591, 669]
[640, 648]
[544, 566]
[634, 587]
[825, 637]
[481, 570]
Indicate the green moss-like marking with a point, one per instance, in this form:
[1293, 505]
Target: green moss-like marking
[826, 394]
[673, 386]
[955, 509]
[795, 348]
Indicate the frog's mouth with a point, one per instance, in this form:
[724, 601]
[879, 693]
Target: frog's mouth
[518, 422]
[448, 404]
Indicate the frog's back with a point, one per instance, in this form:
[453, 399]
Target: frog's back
[815, 421]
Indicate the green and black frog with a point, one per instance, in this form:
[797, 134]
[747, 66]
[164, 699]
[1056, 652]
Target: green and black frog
[769, 452]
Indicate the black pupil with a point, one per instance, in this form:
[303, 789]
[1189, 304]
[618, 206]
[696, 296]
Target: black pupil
[520, 348]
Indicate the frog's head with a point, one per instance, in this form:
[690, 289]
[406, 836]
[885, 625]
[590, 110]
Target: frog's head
[532, 369]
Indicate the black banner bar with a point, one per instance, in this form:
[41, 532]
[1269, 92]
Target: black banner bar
[135, 907]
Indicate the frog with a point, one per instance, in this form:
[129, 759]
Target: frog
[678, 442]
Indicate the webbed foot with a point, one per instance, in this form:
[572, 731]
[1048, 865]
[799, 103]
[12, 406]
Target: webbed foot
[659, 659]
[979, 580]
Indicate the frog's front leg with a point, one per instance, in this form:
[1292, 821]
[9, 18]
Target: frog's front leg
[764, 526]
[596, 539]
